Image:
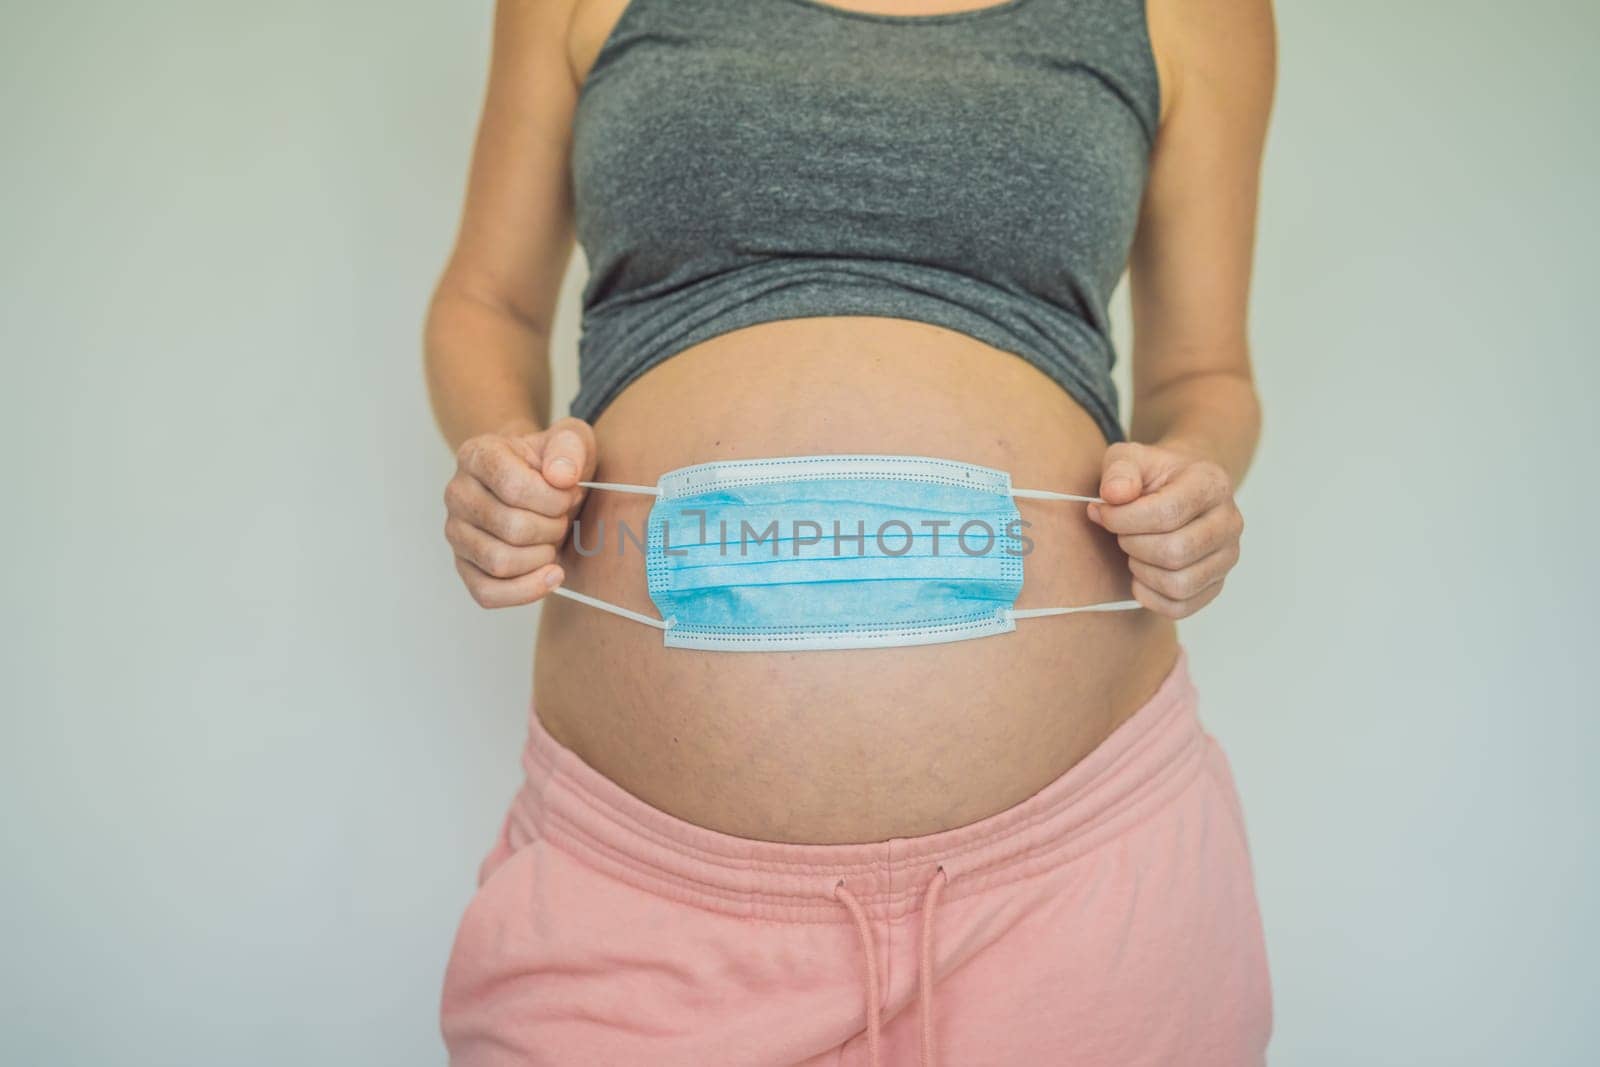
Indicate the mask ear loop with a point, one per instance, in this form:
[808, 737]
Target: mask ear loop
[623, 487]
[615, 609]
[1046, 494]
[605, 605]
[1033, 494]
[1039, 613]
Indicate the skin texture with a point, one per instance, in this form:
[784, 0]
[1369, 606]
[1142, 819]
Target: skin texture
[854, 745]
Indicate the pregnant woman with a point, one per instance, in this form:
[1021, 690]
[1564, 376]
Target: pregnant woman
[804, 784]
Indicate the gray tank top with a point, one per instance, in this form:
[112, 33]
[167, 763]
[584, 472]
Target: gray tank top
[742, 161]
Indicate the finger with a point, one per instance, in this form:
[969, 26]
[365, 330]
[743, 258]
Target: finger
[1173, 609]
[569, 453]
[492, 592]
[1188, 544]
[526, 448]
[1187, 582]
[1121, 477]
[1188, 494]
[495, 557]
[508, 475]
[466, 498]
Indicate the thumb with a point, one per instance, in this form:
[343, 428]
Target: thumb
[569, 453]
[1121, 477]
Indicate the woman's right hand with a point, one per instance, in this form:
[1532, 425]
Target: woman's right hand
[510, 504]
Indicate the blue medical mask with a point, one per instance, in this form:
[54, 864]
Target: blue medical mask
[814, 552]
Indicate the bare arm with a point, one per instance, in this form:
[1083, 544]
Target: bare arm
[488, 327]
[487, 357]
[1169, 490]
[1191, 261]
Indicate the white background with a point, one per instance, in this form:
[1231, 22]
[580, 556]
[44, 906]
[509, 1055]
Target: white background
[256, 737]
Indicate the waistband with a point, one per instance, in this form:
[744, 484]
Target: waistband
[1146, 760]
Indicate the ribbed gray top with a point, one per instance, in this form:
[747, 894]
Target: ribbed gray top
[742, 161]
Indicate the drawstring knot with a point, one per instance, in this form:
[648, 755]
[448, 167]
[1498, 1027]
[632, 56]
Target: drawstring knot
[930, 900]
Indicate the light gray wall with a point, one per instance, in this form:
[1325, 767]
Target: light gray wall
[255, 738]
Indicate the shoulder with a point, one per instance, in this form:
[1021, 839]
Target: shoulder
[1213, 52]
[533, 36]
[586, 25]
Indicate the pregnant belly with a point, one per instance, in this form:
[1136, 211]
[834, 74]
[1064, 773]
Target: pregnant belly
[847, 745]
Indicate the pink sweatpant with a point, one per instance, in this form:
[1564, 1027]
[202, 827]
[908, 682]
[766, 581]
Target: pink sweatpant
[1109, 919]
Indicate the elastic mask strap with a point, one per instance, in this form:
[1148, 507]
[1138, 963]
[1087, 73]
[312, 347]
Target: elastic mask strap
[604, 605]
[1031, 494]
[1039, 613]
[615, 609]
[1046, 494]
[623, 487]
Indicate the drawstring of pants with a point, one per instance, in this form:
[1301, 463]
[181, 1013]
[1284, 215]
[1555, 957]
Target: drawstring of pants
[930, 900]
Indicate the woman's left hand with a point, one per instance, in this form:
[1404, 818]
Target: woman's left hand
[1174, 515]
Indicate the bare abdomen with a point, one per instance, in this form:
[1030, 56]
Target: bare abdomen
[859, 744]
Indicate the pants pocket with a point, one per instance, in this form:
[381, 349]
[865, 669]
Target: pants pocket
[485, 958]
[1257, 1004]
